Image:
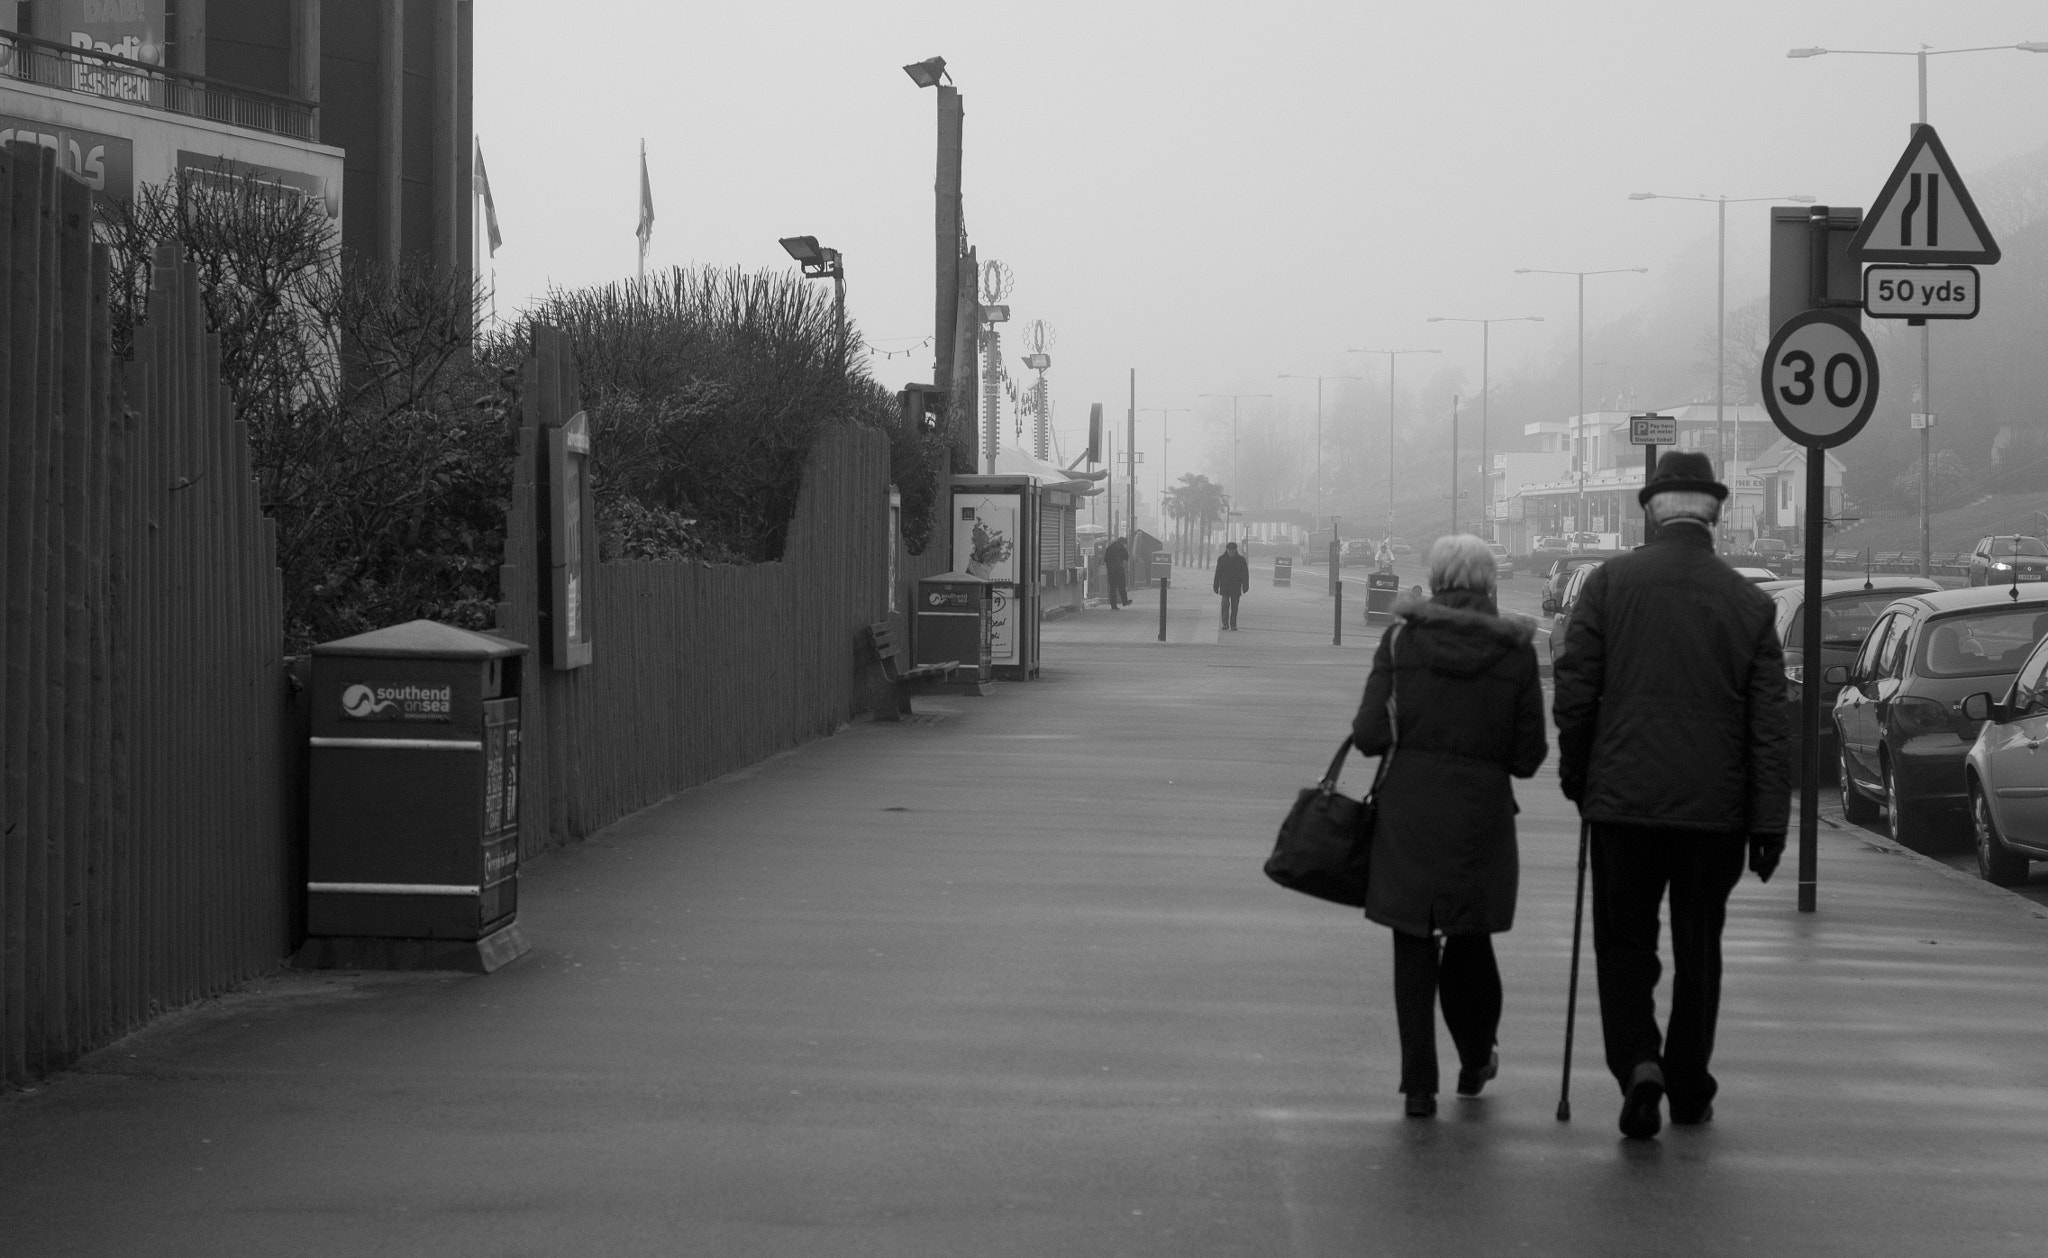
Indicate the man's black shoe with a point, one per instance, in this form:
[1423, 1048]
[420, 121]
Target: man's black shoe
[1693, 1117]
[1640, 1119]
[1470, 1081]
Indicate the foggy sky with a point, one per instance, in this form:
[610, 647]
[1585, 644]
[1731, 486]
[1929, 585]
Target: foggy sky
[1216, 193]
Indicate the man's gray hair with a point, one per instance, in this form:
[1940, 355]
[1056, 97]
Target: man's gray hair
[1685, 504]
[1460, 561]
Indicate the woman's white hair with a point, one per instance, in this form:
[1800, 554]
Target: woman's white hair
[1460, 561]
[1684, 504]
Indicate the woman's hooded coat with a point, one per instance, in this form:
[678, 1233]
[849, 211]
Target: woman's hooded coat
[1471, 714]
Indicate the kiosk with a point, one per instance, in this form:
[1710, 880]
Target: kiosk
[995, 532]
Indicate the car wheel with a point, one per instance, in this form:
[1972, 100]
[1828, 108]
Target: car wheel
[1996, 863]
[1856, 806]
[1907, 822]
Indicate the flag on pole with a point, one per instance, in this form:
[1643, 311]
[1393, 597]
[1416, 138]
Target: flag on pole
[646, 229]
[483, 189]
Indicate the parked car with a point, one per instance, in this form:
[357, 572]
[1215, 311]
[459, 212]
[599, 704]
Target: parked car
[1547, 547]
[1560, 572]
[1848, 608]
[1503, 562]
[1775, 552]
[1400, 546]
[1357, 552]
[1561, 619]
[1756, 576]
[2007, 776]
[2007, 559]
[1901, 739]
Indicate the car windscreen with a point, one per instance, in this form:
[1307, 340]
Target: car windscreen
[2018, 546]
[1979, 643]
[1844, 620]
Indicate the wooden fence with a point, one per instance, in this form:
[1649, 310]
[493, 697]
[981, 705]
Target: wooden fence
[143, 802]
[697, 669]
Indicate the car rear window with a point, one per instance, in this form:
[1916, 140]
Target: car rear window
[1980, 643]
[2018, 546]
[1844, 621]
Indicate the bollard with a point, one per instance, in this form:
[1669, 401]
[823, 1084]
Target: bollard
[1337, 634]
[1163, 583]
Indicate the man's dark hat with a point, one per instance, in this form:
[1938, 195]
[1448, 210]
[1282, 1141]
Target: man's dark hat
[1682, 471]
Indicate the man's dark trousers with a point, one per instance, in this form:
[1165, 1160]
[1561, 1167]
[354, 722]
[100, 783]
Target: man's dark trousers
[1230, 611]
[1119, 590]
[1633, 866]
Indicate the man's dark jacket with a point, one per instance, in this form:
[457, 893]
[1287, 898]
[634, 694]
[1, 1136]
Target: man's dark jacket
[1670, 694]
[1233, 574]
[1116, 555]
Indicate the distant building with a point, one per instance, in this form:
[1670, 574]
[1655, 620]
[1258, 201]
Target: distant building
[1532, 494]
[316, 96]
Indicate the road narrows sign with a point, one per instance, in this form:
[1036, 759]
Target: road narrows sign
[1924, 214]
[1819, 379]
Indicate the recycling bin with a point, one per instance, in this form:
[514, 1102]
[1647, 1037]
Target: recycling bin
[1162, 567]
[1283, 570]
[954, 613]
[1381, 589]
[414, 796]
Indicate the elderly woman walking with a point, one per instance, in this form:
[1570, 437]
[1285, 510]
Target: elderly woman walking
[1454, 698]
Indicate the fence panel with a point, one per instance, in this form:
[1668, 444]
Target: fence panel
[142, 705]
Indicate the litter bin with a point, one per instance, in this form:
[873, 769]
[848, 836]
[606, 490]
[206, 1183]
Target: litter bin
[1381, 589]
[1283, 570]
[1162, 567]
[413, 807]
[953, 624]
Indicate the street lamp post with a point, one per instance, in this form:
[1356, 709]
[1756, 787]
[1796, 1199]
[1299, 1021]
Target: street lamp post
[1579, 520]
[1920, 56]
[1720, 310]
[1391, 354]
[1163, 412]
[1319, 431]
[1234, 399]
[1485, 395]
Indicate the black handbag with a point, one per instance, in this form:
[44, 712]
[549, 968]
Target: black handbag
[1325, 845]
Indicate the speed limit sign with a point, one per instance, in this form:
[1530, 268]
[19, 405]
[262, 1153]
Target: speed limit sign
[1820, 379]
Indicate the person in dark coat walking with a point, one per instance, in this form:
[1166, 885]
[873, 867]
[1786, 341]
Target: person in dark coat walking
[1233, 578]
[1444, 868]
[1671, 737]
[1116, 563]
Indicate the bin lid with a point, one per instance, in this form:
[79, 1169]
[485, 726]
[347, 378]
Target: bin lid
[424, 639]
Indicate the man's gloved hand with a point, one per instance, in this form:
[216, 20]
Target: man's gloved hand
[1573, 784]
[1764, 851]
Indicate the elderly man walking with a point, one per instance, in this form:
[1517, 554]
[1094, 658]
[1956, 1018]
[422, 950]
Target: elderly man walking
[1670, 690]
[1233, 578]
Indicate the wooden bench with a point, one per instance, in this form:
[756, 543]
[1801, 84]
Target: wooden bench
[903, 682]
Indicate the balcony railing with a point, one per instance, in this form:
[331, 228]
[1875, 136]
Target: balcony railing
[108, 77]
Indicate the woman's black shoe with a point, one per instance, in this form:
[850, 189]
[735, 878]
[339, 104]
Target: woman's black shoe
[1470, 1081]
[1422, 1105]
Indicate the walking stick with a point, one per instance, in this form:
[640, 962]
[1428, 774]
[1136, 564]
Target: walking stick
[1571, 1008]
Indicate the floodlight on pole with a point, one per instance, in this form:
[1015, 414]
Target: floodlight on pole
[1485, 398]
[928, 72]
[1721, 449]
[1579, 452]
[820, 262]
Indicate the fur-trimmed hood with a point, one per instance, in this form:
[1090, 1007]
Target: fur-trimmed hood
[1461, 641]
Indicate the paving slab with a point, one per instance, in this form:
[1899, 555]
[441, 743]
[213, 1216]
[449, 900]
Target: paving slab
[1006, 979]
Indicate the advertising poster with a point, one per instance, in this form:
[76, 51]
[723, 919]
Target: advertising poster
[132, 29]
[205, 170]
[985, 535]
[1002, 625]
[105, 162]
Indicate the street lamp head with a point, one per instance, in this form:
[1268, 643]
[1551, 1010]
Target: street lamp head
[2032, 46]
[1435, 319]
[1642, 196]
[1803, 200]
[1806, 52]
[927, 73]
[1640, 270]
[1523, 270]
[803, 248]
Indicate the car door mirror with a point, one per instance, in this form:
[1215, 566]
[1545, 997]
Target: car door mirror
[1835, 675]
[1549, 605]
[1978, 707]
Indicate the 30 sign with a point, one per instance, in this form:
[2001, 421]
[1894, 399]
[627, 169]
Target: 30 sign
[1819, 379]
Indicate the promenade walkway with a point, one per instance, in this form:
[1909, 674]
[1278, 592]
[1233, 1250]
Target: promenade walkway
[1007, 980]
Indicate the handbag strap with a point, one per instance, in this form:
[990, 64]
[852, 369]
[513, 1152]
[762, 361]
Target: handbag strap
[1393, 711]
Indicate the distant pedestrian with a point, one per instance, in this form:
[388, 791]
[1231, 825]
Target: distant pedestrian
[1671, 736]
[1444, 868]
[1116, 562]
[1233, 578]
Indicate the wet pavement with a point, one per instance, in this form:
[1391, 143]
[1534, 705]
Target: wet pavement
[1006, 979]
